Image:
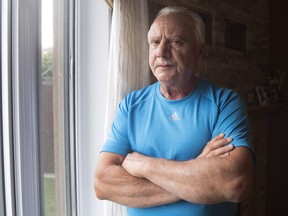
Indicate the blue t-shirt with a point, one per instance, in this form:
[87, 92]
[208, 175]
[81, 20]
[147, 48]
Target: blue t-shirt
[152, 125]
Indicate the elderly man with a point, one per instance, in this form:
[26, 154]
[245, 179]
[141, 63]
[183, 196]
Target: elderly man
[180, 146]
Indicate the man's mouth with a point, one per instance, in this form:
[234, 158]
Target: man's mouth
[164, 66]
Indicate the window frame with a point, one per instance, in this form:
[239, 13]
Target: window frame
[25, 64]
[21, 62]
[6, 121]
[2, 205]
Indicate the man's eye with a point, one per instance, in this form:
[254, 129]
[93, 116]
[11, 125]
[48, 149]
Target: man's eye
[155, 43]
[177, 43]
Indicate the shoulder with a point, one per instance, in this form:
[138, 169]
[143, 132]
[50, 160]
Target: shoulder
[218, 95]
[138, 96]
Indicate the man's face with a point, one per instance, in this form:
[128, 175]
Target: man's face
[173, 51]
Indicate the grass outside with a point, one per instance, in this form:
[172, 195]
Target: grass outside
[49, 196]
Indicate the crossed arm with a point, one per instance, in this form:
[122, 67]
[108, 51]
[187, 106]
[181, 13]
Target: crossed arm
[220, 173]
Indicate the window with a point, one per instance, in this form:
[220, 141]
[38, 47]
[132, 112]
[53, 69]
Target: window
[235, 36]
[53, 101]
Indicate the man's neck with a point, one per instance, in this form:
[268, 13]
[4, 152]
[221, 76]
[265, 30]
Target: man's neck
[176, 92]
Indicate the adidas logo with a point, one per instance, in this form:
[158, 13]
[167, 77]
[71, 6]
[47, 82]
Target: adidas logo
[174, 117]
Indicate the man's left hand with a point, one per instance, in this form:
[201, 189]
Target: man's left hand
[134, 163]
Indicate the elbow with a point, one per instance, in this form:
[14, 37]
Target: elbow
[240, 192]
[99, 188]
[241, 189]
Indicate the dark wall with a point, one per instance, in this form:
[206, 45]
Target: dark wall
[277, 178]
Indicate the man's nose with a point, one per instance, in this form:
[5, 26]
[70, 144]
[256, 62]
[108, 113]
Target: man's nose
[163, 50]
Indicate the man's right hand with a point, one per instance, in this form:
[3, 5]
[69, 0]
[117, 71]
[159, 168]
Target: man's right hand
[219, 146]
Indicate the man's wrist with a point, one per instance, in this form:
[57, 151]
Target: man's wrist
[147, 167]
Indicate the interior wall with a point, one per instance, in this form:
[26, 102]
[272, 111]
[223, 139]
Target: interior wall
[277, 178]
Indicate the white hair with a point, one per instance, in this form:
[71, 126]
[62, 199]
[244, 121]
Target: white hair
[199, 30]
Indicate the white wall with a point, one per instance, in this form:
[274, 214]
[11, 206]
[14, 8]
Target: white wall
[91, 78]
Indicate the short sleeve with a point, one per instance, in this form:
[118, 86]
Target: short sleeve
[117, 140]
[232, 120]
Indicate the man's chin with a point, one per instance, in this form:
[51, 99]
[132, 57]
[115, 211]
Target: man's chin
[164, 76]
[166, 81]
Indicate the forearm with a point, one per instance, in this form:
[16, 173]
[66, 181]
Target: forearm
[116, 185]
[198, 181]
[202, 180]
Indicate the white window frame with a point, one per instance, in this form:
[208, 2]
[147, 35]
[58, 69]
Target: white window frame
[6, 58]
[21, 48]
[20, 85]
[2, 205]
[20, 76]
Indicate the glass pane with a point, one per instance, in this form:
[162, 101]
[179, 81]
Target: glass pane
[52, 105]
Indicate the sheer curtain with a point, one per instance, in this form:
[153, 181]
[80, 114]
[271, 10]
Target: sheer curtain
[128, 62]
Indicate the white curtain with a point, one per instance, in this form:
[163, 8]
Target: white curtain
[128, 62]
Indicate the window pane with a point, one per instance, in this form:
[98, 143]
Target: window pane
[53, 101]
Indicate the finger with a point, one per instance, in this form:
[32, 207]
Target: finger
[218, 137]
[209, 145]
[223, 151]
[225, 155]
[219, 143]
[215, 144]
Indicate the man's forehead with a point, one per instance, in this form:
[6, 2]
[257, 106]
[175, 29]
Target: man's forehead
[175, 18]
[172, 24]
